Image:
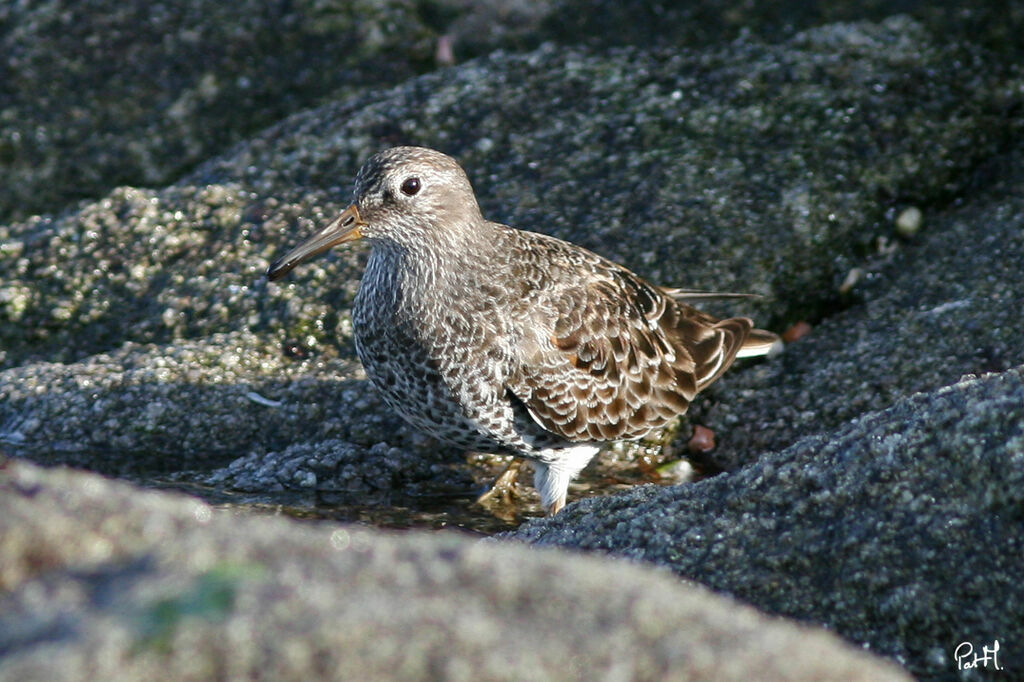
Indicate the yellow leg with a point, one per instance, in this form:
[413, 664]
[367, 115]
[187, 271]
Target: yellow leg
[504, 485]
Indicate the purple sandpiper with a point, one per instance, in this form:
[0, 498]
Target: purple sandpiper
[499, 340]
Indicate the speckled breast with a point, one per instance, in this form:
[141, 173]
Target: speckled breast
[423, 371]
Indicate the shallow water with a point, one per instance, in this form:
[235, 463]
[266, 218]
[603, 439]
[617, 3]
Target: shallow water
[446, 509]
[395, 511]
[450, 510]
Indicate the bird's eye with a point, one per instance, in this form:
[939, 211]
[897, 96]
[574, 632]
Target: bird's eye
[410, 186]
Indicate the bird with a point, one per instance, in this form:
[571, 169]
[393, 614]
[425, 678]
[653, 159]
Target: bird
[506, 341]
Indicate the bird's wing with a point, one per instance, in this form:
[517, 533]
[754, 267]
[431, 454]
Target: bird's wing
[617, 356]
[697, 295]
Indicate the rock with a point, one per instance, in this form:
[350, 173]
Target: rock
[919, 318]
[902, 530]
[140, 94]
[714, 153]
[191, 80]
[102, 581]
[139, 338]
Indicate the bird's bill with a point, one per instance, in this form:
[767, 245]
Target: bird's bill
[344, 228]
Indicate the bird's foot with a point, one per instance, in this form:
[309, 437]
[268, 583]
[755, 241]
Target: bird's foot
[504, 489]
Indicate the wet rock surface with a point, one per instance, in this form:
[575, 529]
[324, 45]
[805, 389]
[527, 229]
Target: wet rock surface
[139, 338]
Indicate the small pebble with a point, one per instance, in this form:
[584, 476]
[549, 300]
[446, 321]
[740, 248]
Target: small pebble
[702, 441]
[796, 332]
[852, 277]
[908, 222]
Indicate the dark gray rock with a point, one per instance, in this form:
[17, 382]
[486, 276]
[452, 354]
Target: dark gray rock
[106, 93]
[751, 167]
[903, 530]
[143, 410]
[92, 96]
[996, 25]
[922, 313]
[101, 581]
[754, 167]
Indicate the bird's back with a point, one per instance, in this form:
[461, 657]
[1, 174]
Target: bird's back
[603, 354]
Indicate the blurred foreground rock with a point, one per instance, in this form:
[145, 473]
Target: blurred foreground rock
[101, 581]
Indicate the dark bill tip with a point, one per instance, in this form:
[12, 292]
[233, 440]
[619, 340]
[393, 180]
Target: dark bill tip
[344, 228]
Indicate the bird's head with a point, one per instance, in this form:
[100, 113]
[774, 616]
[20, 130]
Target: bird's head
[408, 197]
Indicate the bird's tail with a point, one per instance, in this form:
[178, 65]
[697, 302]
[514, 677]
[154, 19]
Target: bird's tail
[760, 342]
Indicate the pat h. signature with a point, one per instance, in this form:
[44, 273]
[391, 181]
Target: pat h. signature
[967, 658]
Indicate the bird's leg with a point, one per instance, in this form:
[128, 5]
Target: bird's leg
[553, 472]
[504, 485]
[552, 482]
[556, 506]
